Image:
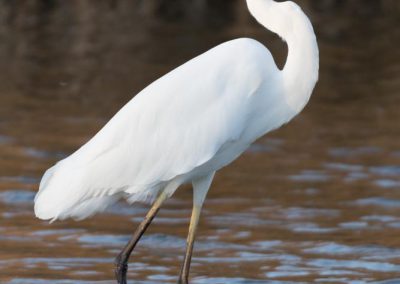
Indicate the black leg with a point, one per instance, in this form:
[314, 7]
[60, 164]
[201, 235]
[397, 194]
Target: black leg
[121, 262]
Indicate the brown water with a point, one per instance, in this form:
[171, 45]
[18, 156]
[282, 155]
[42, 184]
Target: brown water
[317, 201]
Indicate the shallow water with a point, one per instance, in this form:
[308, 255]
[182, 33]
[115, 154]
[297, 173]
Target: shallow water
[317, 201]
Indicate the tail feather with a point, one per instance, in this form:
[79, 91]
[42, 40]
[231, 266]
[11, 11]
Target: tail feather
[49, 206]
[59, 197]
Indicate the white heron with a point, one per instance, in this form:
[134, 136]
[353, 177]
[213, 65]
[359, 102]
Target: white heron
[186, 125]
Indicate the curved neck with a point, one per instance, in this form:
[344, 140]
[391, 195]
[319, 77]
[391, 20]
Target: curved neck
[300, 72]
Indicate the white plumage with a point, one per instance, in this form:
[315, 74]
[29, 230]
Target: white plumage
[189, 123]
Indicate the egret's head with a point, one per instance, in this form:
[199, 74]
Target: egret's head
[281, 18]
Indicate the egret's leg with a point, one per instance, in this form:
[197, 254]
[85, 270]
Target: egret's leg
[121, 262]
[200, 189]
[184, 275]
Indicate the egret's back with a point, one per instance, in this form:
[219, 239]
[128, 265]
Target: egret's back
[167, 133]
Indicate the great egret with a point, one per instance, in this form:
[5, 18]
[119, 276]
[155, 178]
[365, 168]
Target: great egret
[186, 125]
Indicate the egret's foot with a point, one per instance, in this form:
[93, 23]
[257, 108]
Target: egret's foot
[183, 280]
[121, 268]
